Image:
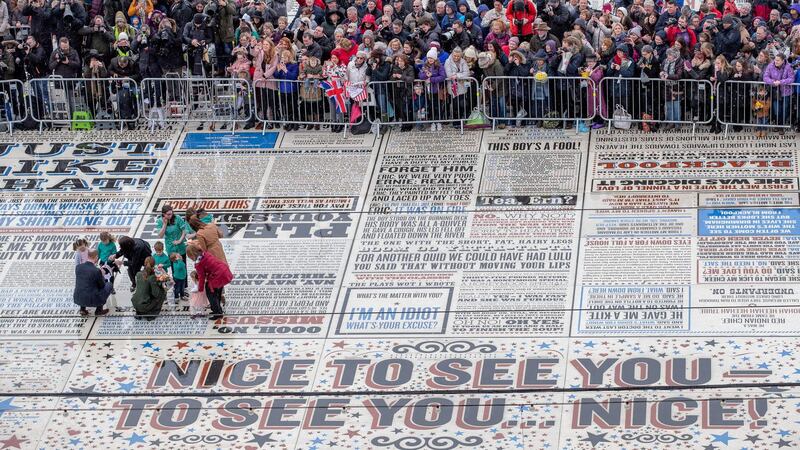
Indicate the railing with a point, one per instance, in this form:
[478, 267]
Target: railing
[551, 102]
[13, 109]
[311, 103]
[84, 103]
[420, 102]
[208, 100]
[655, 101]
[757, 104]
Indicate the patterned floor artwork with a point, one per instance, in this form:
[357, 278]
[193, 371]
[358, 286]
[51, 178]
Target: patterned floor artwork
[514, 289]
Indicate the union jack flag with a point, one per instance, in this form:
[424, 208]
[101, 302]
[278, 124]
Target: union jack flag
[336, 91]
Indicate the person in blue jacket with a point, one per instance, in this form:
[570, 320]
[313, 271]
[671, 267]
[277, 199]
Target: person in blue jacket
[288, 70]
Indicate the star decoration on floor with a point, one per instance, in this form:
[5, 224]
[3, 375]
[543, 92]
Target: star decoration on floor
[262, 439]
[6, 406]
[595, 439]
[12, 442]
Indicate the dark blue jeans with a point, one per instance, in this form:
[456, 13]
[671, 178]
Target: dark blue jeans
[180, 288]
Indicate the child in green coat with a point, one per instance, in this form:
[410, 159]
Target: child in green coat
[178, 276]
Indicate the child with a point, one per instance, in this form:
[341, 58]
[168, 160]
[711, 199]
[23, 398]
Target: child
[241, 64]
[198, 300]
[761, 106]
[106, 248]
[178, 276]
[161, 259]
[420, 104]
[81, 248]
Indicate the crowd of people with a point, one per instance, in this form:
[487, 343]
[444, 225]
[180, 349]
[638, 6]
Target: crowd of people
[154, 272]
[315, 58]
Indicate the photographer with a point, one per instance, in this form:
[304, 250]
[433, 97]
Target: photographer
[95, 91]
[424, 35]
[413, 18]
[124, 46]
[95, 68]
[181, 12]
[196, 35]
[69, 17]
[728, 40]
[64, 60]
[39, 13]
[97, 37]
[222, 13]
[167, 46]
[520, 15]
[671, 12]
[34, 58]
[460, 37]
[680, 30]
[557, 16]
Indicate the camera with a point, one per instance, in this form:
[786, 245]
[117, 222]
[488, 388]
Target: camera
[447, 35]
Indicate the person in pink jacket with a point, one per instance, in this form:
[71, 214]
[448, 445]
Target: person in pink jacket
[266, 87]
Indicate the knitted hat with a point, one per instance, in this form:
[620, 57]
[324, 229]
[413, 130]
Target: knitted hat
[485, 59]
[470, 52]
[432, 53]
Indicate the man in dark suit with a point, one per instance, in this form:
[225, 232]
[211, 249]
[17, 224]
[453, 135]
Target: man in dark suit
[92, 289]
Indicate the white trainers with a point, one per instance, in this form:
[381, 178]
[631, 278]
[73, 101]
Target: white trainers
[433, 127]
[438, 127]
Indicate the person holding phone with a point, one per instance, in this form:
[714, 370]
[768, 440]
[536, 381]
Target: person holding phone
[172, 228]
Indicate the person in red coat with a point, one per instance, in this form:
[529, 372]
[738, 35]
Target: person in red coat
[521, 14]
[681, 29]
[212, 275]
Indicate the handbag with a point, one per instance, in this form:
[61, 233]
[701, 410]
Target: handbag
[622, 119]
[476, 120]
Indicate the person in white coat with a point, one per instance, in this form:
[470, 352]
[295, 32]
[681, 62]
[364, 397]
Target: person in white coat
[457, 85]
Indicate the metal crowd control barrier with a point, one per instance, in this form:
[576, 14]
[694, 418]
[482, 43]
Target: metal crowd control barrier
[421, 102]
[757, 104]
[553, 101]
[311, 104]
[183, 100]
[625, 101]
[14, 110]
[84, 103]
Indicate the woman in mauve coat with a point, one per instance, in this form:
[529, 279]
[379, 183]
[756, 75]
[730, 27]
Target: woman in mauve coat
[212, 275]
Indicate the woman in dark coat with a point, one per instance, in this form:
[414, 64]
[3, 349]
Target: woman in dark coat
[402, 74]
[149, 294]
[135, 251]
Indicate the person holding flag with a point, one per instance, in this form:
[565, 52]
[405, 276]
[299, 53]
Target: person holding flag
[335, 74]
[357, 84]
